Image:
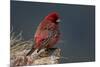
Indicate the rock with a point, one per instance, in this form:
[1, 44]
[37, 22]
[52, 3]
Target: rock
[50, 56]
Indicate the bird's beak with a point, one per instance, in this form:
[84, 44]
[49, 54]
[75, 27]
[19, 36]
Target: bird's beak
[58, 20]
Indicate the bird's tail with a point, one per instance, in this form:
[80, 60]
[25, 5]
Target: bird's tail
[31, 51]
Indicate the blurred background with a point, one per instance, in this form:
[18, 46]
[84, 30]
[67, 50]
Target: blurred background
[77, 27]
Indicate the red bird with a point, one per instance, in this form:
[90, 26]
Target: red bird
[47, 33]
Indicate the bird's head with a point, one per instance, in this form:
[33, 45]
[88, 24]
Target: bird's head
[54, 17]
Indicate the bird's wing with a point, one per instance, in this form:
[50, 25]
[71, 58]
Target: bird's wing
[47, 40]
[44, 42]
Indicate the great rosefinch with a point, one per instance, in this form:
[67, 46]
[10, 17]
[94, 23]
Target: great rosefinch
[47, 33]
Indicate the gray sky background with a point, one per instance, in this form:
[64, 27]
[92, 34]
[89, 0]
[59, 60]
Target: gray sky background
[76, 26]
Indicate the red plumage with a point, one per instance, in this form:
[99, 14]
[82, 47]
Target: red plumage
[47, 33]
